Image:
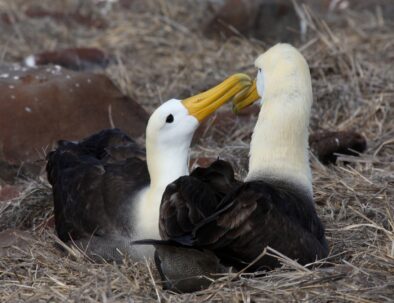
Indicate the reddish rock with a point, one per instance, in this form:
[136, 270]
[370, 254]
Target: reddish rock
[269, 20]
[66, 17]
[42, 105]
[73, 58]
[326, 144]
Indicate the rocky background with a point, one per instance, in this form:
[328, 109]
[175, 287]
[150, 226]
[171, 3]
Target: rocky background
[71, 67]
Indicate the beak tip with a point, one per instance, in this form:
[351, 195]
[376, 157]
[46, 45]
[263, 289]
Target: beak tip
[204, 104]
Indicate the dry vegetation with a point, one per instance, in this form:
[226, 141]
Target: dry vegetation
[161, 53]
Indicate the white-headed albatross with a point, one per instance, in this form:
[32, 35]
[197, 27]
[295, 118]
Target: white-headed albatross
[210, 210]
[106, 194]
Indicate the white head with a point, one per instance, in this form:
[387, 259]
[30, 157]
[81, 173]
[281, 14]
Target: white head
[171, 127]
[282, 69]
[168, 136]
[279, 146]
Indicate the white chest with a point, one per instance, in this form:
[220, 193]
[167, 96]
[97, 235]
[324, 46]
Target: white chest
[146, 215]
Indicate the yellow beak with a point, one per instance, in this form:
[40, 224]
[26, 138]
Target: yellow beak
[204, 104]
[247, 98]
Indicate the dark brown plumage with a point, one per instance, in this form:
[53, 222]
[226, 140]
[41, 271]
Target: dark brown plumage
[93, 185]
[210, 209]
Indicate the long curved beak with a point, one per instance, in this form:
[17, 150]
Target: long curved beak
[247, 98]
[204, 104]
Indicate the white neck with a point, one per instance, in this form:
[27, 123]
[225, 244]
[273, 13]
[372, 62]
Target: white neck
[165, 166]
[279, 146]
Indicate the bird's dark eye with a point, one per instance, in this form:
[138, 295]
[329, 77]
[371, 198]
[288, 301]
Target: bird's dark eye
[259, 69]
[170, 119]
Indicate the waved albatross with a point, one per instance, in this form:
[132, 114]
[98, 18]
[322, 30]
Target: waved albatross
[211, 211]
[106, 194]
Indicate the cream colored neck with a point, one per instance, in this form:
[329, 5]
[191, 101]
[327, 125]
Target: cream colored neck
[279, 146]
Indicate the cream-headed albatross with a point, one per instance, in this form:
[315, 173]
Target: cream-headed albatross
[274, 205]
[106, 194]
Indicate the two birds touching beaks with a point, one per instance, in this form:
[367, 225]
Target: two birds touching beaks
[111, 198]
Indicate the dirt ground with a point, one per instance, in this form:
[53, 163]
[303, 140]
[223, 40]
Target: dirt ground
[160, 52]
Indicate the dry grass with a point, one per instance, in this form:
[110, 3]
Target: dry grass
[160, 54]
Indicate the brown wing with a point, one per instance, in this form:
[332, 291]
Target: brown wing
[258, 215]
[191, 199]
[210, 210]
[93, 184]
